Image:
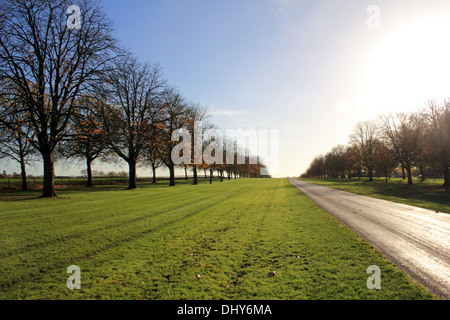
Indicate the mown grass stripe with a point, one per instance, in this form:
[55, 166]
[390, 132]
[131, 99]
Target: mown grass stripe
[232, 234]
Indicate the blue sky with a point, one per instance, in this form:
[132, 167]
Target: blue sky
[311, 69]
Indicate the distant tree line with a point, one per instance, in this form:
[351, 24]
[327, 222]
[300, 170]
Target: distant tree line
[410, 142]
[76, 93]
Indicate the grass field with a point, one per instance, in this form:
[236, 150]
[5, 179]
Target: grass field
[242, 239]
[430, 194]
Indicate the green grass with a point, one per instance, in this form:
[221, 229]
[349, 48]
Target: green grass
[217, 241]
[430, 194]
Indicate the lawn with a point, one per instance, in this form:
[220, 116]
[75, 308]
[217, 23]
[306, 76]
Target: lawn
[242, 239]
[430, 194]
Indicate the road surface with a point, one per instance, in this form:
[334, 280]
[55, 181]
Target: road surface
[416, 240]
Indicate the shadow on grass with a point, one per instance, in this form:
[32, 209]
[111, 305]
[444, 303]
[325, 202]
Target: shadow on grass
[62, 192]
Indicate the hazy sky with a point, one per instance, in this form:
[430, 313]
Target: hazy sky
[311, 69]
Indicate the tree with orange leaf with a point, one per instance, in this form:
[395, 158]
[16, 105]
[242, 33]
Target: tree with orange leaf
[87, 138]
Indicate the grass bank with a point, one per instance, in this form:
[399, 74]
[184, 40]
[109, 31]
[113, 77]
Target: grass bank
[243, 239]
[430, 194]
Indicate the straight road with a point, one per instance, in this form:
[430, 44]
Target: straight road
[416, 240]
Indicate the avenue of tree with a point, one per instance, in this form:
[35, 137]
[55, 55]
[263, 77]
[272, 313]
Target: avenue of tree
[410, 142]
[76, 93]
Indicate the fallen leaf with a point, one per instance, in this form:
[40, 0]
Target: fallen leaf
[272, 274]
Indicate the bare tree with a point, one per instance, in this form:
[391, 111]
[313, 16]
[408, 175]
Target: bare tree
[402, 135]
[351, 161]
[152, 155]
[49, 64]
[422, 134]
[130, 94]
[438, 137]
[316, 168]
[364, 139]
[86, 138]
[194, 124]
[385, 160]
[174, 116]
[334, 161]
[15, 144]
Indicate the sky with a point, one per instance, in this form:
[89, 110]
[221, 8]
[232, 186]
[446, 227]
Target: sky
[310, 69]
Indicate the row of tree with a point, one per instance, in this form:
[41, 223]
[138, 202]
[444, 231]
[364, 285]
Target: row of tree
[75, 93]
[410, 141]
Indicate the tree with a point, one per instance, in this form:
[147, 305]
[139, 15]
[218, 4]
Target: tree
[230, 157]
[16, 144]
[316, 168]
[174, 117]
[385, 160]
[152, 155]
[48, 64]
[422, 152]
[364, 139]
[334, 161]
[402, 135]
[351, 162]
[438, 137]
[87, 138]
[130, 94]
[212, 150]
[194, 125]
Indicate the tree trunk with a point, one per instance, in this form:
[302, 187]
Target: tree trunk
[370, 174]
[422, 176]
[403, 172]
[172, 175]
[210, 176]
[195, 175]
[89, 172]
[154, 173]
[24, 174]
[446, 175]
[185, 173]
[132, 174]
[49, 175]
[408, 173]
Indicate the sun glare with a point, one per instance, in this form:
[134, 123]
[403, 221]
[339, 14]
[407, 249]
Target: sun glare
[411, 66]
